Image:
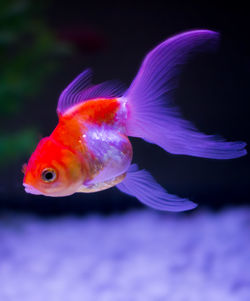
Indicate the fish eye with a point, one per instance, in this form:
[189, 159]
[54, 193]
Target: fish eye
[49, 175]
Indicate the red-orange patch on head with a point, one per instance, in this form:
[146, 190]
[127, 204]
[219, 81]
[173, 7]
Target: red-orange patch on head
[51, 155]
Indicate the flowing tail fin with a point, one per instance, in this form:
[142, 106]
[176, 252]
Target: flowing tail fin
[150, 113]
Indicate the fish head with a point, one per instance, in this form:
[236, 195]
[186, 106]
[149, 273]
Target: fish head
[52, 170]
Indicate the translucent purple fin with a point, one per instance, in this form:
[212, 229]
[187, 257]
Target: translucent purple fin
[108, 89]
[140, 184]
[72, 93]
[81, 90]
[151, 115]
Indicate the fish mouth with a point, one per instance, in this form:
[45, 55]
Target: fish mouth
[30, 189]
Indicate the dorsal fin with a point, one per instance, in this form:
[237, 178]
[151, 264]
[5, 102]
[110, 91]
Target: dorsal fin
[81, 90]
[108, 89]
[71, 94]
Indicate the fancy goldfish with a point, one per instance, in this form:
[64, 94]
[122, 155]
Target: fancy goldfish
[89, 150]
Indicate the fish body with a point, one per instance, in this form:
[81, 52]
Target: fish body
[94, 133]
[97, 134]
[89, 150]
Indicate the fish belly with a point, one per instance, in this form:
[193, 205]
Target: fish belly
[112, 152]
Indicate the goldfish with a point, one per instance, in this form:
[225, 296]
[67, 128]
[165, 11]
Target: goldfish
[89, 150]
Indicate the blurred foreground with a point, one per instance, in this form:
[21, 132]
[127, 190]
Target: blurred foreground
[139, 255]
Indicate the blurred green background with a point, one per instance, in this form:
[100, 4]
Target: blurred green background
[29, 52]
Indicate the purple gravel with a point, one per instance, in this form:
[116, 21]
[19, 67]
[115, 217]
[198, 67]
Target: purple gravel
[137, 256]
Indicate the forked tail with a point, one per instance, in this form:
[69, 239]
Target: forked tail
[150, 113]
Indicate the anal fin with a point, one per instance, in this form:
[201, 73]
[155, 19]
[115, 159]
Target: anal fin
[140, 184]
